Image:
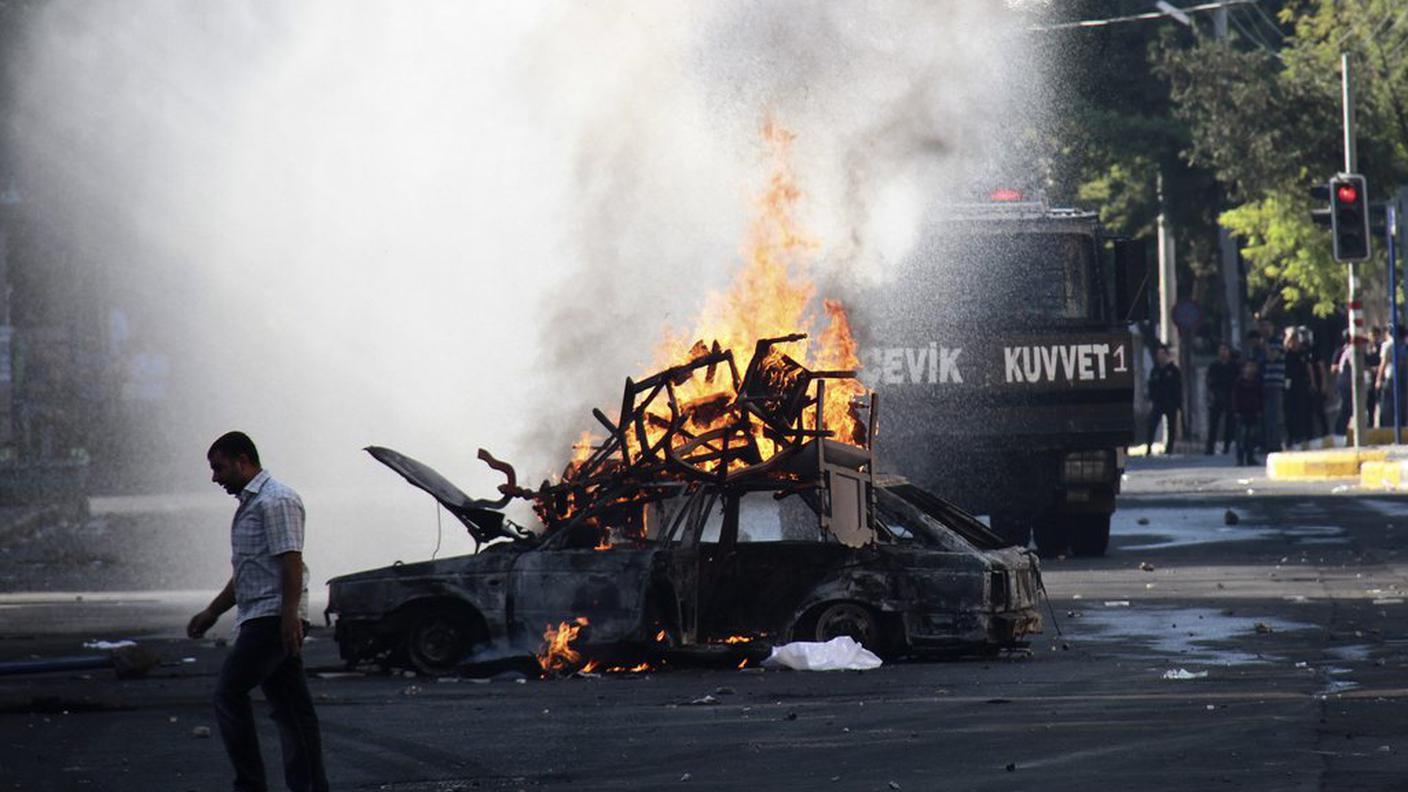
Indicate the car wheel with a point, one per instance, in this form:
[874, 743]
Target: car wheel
[1090, 536]
[848, 618]
[437, 641]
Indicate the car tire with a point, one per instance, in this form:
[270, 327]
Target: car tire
[1090, 536]
[1053, 535]
[848, 618]
[438, 640]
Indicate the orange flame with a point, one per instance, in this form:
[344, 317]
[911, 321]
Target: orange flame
[771, 295]
[738, 639]
[557, 653]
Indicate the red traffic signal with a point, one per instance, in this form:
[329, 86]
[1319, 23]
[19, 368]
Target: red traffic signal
[1349, 217]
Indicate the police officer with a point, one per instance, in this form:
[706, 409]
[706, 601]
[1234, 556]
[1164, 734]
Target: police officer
[1165, 397]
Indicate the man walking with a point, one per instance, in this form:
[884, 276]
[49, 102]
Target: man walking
[1222, 375]
[270, 594]
[1166, 397]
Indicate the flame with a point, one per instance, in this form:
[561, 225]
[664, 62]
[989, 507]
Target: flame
[589, 667]
[771, 295]
[738, 639]
[557, 653]
[742, 663]
[660, 637]
[636, 669]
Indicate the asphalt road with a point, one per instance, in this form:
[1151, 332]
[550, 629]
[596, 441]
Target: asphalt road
[1295, 615]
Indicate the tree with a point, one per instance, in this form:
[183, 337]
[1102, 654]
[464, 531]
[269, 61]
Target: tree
[1268, 125]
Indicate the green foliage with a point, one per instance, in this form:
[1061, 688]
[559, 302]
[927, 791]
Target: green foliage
[1268, 125]
[1288, 256]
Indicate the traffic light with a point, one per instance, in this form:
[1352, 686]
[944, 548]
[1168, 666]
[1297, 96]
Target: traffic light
[1349, 217]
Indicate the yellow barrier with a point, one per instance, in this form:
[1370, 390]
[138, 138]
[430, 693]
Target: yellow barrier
[1385, 475]
[1317, 465]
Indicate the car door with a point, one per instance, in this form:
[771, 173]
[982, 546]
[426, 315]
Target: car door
[550, 585]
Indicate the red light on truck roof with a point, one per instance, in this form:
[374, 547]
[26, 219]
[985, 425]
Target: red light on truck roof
[1004, 194]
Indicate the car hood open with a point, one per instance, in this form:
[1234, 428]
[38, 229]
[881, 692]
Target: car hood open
[483, 522]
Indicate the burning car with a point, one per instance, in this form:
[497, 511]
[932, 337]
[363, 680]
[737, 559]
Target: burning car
[720, 508]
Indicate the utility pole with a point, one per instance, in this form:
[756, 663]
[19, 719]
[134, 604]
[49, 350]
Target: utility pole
[1168, 276]
[1356, 319]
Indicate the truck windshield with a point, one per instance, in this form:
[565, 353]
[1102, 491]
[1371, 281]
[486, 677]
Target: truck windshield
[1026, 276]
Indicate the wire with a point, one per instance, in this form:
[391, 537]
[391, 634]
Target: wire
[438, 532]
[1253, 36]
[1145, 17]
[1270, 23]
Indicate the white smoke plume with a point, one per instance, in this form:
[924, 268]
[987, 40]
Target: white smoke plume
[441, 225]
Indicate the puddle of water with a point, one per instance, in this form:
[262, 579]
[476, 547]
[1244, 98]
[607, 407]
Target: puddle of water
[1187, 633]
[1339, 686]
[1186, 527]
[1349, 654]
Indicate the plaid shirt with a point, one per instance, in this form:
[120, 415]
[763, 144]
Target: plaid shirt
[268, 523]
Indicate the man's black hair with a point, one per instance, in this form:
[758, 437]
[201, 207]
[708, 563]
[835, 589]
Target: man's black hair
[232, 444]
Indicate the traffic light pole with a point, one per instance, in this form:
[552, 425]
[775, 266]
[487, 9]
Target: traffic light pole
[1392, 235]
[1356, 320]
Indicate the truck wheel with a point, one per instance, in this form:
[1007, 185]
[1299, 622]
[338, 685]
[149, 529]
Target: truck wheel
[1014, 528]
[437, 641]
[1053, 535]
[849, 618]
[1090, 535]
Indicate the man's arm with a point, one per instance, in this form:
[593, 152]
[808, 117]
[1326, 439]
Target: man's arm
[206, 619]
[291, 579]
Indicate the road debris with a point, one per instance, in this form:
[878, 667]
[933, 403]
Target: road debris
[108, 646]
[1145, 566]
[1230, 517]
[201, 732]
[1183, 673]
[1264, 628]
[1117, 603]
[130, 662]
[1142, 521]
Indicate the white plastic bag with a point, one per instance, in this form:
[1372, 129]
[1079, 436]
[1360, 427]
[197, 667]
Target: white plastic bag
[841, 653]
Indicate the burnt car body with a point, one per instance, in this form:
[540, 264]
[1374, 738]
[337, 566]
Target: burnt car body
[699, 565]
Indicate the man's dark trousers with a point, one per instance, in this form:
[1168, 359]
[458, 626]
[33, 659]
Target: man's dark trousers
[258, 658]
[1156, 412]
[1220, 414]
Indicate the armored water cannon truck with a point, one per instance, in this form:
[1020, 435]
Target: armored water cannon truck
[1003, 352]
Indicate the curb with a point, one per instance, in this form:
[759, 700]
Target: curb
[1389, 474]
[1339, 463]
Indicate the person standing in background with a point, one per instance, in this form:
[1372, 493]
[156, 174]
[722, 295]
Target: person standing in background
[1297, 372]
[1222, 376]
[1316, 424]
[1166, 397]
[1383, 381]
[1273, 388]
[1371, 368]
[1246, 401]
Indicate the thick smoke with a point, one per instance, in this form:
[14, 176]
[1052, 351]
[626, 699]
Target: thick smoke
[439, 226]
[895, 106]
